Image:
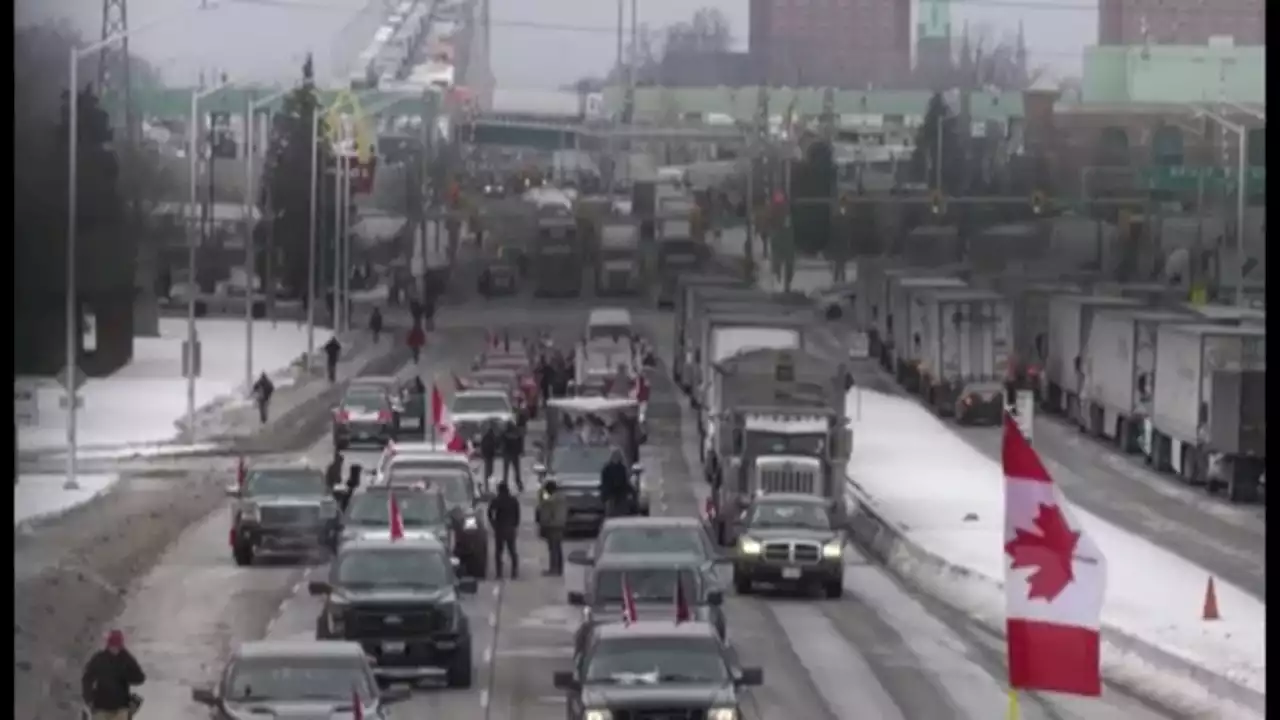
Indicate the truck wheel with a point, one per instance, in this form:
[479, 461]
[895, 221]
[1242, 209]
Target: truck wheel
[243, 554]
[834, 589]
[742, 584]
[458, 674]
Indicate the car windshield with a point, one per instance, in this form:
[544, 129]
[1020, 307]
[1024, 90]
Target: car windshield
[769, 443]
[789, 515]
[454, 484]
[372, 567]
[632, 540]
[266, 679]
[647, 584]
[364, 400]
[650, 660]
[302, 481]
[609, 332]
[493, 404]
[580, 459]
[417, 509]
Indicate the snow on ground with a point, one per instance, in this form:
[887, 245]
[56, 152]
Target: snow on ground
[947, 497]
[40, 496]
[140, 403]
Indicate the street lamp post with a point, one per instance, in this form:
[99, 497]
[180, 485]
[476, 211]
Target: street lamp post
[75, 55]
[311, 236]
[1242, 163]
[250, 225]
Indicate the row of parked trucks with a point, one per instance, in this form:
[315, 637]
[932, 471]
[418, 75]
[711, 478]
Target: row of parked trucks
[1181, 385]
[771, 411]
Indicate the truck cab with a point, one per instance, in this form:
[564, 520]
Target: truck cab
[557, 257]
[783, 429]
[618, 261]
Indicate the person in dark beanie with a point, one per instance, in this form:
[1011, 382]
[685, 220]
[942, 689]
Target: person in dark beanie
[512, 451]
[332, 350]
[375, 325]
[109, 678]
[504, 518]
[263, 389]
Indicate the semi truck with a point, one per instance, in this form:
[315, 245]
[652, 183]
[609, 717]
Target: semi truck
[687, 329]
[618, 263]
[557, 258]
[698, 332]
[902, 292]
[686, 286]
[782, 429]
[960, 344]
[1070, 320]
[677, 255]
[1119, 372]
[1209, 416]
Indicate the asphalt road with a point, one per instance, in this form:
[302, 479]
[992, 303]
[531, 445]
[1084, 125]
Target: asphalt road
[881, 651]
[1226, 539]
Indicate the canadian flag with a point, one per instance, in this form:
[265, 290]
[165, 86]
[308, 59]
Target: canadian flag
[448, 435]
[1055, 578]
[393, 517]
[683, 614]
[629, 614]
[640, 389]
[357, 706]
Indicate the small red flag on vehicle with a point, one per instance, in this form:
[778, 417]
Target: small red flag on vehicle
[683, 614]
[629, 615]
[357, 708]
[437, 407]
[393, 514]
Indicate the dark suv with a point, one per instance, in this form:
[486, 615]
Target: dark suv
[399, 600]
[365, 416]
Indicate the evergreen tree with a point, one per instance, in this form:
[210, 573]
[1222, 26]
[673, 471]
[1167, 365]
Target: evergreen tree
[813, 178]
[288, 183]
[939, 124]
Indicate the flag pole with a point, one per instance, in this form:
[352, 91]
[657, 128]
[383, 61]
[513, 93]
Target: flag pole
[435, 390]
[1012, 713]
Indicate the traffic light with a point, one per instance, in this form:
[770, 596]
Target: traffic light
[1037, 202]
[937, 203]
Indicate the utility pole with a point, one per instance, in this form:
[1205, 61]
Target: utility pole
[839, 235]
[755, 142]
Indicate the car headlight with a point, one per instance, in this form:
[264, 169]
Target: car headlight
[597, 715]
[833, 550]
[722, 714]
[470, 523]
[252, 513]
[747, 546]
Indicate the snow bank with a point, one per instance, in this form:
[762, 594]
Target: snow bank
[39, 497]
[941, 505]
[141, 403]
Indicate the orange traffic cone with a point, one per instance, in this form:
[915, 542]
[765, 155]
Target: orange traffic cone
[1210, 602]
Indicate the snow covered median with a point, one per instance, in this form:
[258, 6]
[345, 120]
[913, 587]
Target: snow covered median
[933, 508]
[141, 405]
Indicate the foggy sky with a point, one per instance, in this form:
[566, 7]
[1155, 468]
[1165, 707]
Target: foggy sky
[267, 43]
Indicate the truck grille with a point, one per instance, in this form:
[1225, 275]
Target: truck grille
[792, 552]
[661, 714]
[290, 515]
[392, 622]
[780, 480]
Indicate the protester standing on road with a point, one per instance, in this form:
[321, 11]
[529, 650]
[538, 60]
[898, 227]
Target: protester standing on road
[375, 325]
[543, 372]
[415, 311]
[109, 678]
[263, 389]
[332, 350]
[333, 473]
[553, 516]
[512, 451]
[615, 486]
[489, 442]
[417, 338]
[504, 518]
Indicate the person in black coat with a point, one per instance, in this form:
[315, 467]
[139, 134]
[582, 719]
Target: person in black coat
[109, 678]
[512, 451]
[263, 389]
[332, 350]
[615, 486]
[375, 325]
[490, 441]
[504, 518]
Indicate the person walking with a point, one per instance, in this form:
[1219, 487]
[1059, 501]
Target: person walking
[512, 451]
[416, 339]
[489, 446]
[263, 389]
[553, 516]
[615, 486]
[108, 680]
[375, 325]
[332, 350]
[504, 518]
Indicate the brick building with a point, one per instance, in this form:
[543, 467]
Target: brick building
[847, 44]
[1180, 22]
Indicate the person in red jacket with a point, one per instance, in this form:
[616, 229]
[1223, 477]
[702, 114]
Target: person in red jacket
[417, 338]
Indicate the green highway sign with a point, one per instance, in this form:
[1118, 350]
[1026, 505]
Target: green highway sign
[1179, 178]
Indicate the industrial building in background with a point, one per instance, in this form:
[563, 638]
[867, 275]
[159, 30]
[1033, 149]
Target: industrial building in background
[819, 43]
[1181, 22]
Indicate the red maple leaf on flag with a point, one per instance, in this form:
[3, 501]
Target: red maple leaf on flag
[1049, 551]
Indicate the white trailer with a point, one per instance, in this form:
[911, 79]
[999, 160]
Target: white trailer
[963, 351]
[874, 302]
[1208, 420]
[1070, 319]
[902, 290]
[1119, 371]
[1228, 314]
